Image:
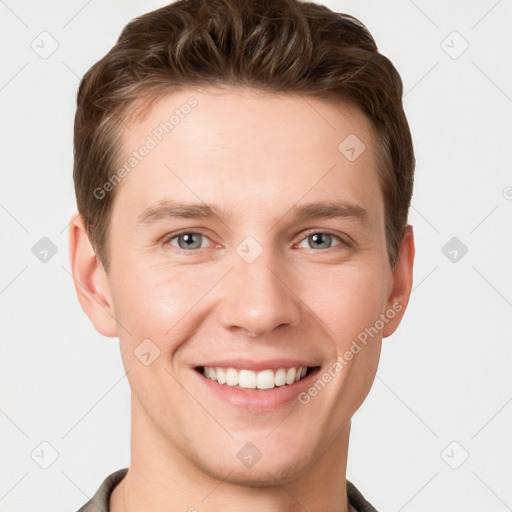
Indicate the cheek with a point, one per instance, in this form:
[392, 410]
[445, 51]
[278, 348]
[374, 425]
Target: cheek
[348, 302]
[167, 303]
[347, 299]
[158, 303]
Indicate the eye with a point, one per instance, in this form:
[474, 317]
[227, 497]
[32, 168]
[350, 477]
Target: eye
[190, 241]
[322, 240]
[187, 241]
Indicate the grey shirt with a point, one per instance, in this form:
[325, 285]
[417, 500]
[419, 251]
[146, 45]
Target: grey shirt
[100, 502]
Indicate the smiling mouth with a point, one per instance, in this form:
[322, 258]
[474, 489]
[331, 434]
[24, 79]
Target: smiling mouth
[259, 380]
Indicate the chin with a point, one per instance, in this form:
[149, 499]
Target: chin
[267, 472]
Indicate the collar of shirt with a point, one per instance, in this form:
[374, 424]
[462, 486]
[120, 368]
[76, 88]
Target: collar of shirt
[100, 502]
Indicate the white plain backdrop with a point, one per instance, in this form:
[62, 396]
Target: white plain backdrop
[434, 433]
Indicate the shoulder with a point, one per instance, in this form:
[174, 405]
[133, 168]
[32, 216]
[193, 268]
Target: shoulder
[101, 499]
[357, 500]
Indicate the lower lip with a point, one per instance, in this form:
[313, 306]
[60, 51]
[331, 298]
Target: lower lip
[258, 400]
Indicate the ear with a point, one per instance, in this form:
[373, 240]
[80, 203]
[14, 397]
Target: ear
[91, 280]
[402, 282]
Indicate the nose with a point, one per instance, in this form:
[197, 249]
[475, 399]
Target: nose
[258, 297]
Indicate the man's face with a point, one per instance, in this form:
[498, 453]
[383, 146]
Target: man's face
[256, 286]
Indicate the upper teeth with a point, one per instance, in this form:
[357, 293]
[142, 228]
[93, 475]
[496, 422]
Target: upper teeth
[248, 379]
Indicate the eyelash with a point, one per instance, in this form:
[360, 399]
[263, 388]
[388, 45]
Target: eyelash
[343, 242]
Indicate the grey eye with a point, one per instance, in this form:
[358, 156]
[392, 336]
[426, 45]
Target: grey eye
[188, 240]
[320, 241]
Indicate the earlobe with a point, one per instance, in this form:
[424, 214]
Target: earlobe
[90, 279]
[402, 283]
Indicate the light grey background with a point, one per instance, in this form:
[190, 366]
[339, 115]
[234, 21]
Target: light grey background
[443, 389]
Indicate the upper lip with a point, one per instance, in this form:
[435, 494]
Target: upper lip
[250, 364]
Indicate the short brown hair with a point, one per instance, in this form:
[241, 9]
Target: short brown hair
[285, 46]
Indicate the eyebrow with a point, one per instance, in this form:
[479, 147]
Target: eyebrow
[168, 209]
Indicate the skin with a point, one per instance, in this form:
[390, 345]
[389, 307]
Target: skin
[256, 156]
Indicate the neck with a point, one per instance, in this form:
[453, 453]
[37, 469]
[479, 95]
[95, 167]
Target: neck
[162, 478]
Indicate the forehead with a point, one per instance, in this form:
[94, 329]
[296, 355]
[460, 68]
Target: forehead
[248, 148]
